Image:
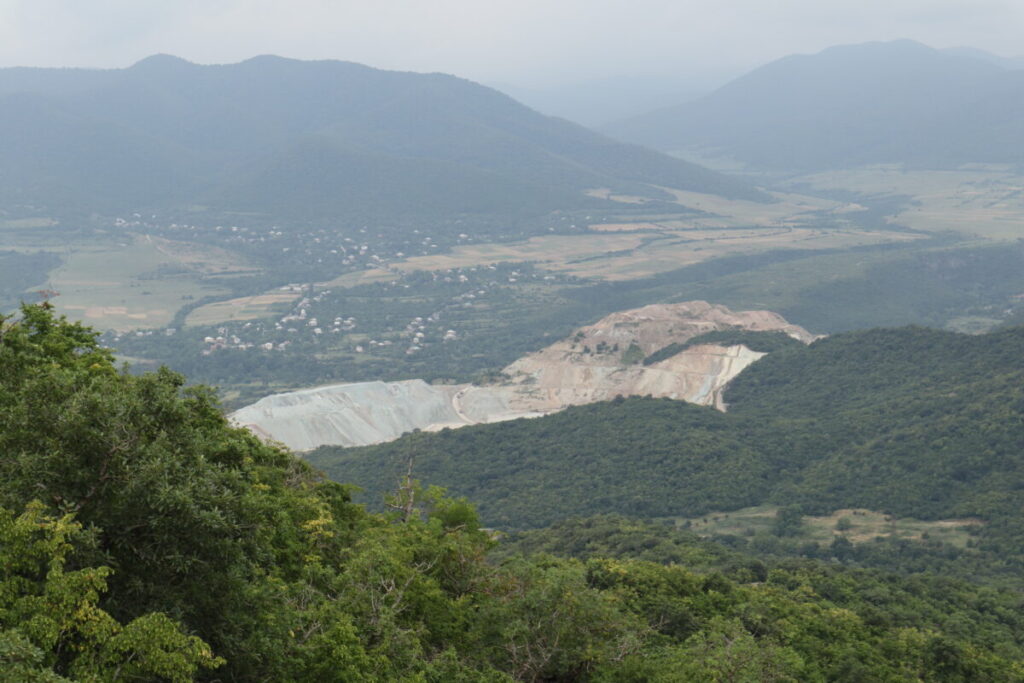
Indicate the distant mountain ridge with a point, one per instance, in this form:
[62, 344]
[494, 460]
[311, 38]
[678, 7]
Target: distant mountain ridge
[893, 102]
[1016, 62]
[309, 140]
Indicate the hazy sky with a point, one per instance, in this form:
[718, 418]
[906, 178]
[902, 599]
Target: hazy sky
[524, 42]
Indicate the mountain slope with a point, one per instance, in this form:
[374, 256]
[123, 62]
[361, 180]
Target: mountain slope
[912, 422]
[849, 105]
[144, 539]
[292, 139]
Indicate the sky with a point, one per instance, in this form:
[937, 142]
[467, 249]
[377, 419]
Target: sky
[526, 43]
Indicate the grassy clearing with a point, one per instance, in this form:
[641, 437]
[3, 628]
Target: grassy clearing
[132, 285]
[984, 201]
[857, 525]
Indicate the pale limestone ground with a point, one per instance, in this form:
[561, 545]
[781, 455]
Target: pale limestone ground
[540, 383]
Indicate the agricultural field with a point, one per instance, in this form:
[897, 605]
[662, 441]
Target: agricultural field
[26, 223]
[142, 276]
[646, 249]
[787, 209]
[856, 525]
[139, 283]
[981, 200]
[286, 308]
[635, 252]
[359, 277]
[670, 250]
[241, 308]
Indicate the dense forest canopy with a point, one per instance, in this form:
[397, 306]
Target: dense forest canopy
[143, 538]
[911, 422]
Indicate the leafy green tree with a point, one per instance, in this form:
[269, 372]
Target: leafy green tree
[51, 624]
[788, 521]
[157, 542]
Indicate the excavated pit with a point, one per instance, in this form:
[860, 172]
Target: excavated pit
[586, 367]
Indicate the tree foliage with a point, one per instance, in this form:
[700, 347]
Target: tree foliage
[912, 422]
[144, 538]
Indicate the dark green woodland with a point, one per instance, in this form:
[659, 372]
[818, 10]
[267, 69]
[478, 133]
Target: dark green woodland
[911, 422]
[145, 539]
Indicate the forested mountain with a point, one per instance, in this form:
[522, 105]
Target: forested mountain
[287, 139]
[143, 538]
[1015, 62]
[912, 422]
[851, 105]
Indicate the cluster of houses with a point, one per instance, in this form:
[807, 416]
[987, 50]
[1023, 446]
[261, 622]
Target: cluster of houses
[417, 331]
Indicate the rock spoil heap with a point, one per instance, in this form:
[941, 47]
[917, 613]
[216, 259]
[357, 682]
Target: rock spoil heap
[597, 363]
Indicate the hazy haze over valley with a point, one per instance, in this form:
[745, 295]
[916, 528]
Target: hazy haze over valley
[526, 45]
[511, 341]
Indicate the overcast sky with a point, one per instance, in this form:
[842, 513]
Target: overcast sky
[529, 43]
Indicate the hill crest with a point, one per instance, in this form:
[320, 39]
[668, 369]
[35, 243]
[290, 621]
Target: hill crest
[293, 140]
[850, 105]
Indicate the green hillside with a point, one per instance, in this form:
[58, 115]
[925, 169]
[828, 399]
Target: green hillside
[850, 105]
[911, 422]
[143, 538]
[286, 140]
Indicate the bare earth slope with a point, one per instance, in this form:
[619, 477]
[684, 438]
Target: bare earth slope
[597, 363]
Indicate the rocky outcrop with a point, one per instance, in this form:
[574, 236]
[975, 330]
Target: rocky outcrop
[597, 363]
[589, 366]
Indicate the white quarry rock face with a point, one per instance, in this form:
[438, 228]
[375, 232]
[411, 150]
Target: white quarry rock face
[569, 372]
[350, 414]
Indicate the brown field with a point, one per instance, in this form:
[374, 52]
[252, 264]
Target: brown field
[658, 256]
[628, 227]
[359, 277]
[26, 223]
[605, 193]
[242, 308]
[986, 201]
[786, 210]
[626, 255]
[266, 304]
[547, 249]
[201, 258]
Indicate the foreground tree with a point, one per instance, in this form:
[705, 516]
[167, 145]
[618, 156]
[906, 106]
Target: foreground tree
[51, 625]
[144, 538]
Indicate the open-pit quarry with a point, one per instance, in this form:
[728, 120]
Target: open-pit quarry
[597, 363]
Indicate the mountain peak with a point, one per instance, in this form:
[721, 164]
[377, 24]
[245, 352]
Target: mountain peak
[902, 45]
[898, 101]
[160, 62]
